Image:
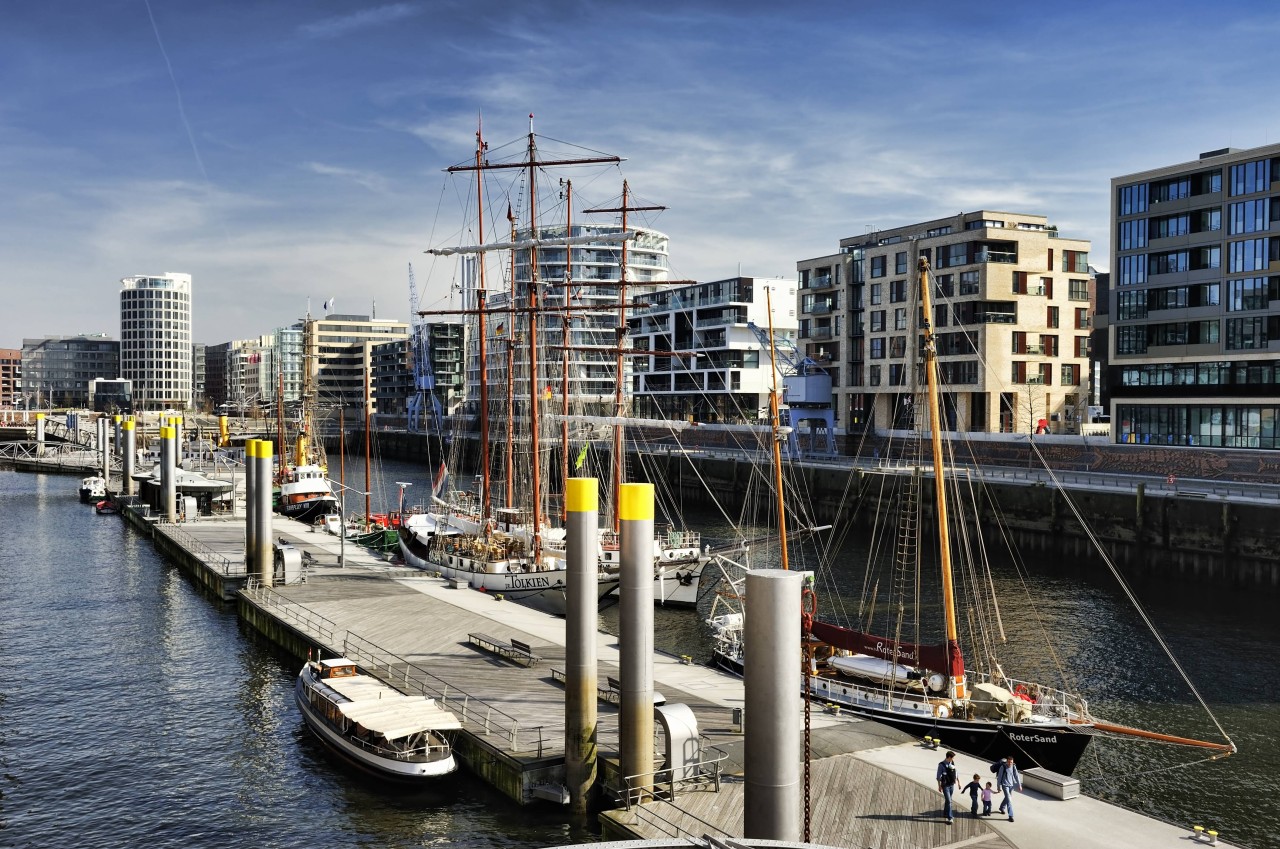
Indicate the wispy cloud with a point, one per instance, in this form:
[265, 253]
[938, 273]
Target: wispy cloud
[368, 179]
[339, 25]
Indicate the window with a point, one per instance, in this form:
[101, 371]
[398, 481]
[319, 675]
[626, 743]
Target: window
[949, 255]
[1249, 293]
[1076, 262]
[1133, 270]
[940, 315]
[1250, 216]
[877, 290]
[1131, 305]
[877, 348]
[1173, 189]
[1051, 320]
[1082, 318]
[1019, 282]
[1133, 199]
[1078, 290]
[1133, 234]
[898, 347]
[873, 376]
[897, 374]
[946, 285]
[1173, 225]
[1249, 255]
[900, 318]
[897, 291]
[900, 262]
[877, 266]
[1081, 346]
[1070, 374]
[968, 282]
[1250, 177]
[1246, 333]
[1173, 262]
[877, 321]
[1131, 339]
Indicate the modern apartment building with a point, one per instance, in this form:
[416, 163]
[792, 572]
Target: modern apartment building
[1010, 306]
[724, 375]
[56, 370]
[10, 378]
[337, 351]
[1195, 302]
[155, 339]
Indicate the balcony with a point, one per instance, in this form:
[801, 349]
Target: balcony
[820, 308]
[820, 333]
[819, 281]
[998, 318]
[1035, 379]
[996, 256]
[1032, 349]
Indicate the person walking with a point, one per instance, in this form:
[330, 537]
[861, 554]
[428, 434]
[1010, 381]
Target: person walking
[948, 779]
[973, 788]
[986, 800]
[1007, 778]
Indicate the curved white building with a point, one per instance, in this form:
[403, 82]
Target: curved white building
[155, 339]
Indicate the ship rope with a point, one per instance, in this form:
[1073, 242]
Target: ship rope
[1128, 591]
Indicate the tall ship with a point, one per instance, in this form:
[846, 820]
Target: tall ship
[549, 361]
[897, 657]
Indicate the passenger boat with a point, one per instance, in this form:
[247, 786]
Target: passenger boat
[93, 489]
[894, 665]
[373, 727]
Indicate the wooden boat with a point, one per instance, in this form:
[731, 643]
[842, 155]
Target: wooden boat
[921, 685]
[373, 727]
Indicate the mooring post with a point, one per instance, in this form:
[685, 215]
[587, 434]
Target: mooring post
[772, 667]
[264, 558]
[128, 454]
[635, 620]
[250, 505]
[168, 475]
[582, 524]
[39, 434]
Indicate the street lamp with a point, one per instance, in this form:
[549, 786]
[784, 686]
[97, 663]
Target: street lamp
[342, 519]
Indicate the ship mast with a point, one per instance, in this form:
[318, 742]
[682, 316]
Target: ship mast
[955, 671]
[564, 357]
[774, 432]
[535, 455]
[485, 505]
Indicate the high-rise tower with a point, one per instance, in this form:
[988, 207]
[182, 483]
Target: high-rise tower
[155, 339]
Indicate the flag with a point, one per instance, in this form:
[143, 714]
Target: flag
[582, 458]
[547, 394]
[330, 304]
[500, 330]
[441, 481]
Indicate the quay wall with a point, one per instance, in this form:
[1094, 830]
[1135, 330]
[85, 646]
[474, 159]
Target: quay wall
[1164, 535]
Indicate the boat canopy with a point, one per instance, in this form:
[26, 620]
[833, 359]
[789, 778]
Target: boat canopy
[387, 712]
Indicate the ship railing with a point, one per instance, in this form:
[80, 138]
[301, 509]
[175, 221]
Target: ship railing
[326, 631]
[475, 714]
[667, 783]
[228, 567]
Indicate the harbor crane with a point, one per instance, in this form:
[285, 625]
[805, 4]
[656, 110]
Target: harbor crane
[806, 390]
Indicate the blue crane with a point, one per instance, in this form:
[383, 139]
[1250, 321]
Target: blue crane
[806, 390]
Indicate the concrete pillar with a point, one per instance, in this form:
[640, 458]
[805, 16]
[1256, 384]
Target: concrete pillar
[264, 559]
[168, 475]
[176, 423]
[582, 553]
[39, 434]
[104, 448]
[116, 421]
[635, 619]
[773, 708]
[250, 505]
[128, 454]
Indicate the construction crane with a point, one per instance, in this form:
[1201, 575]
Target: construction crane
[424, 379]
[806, 390]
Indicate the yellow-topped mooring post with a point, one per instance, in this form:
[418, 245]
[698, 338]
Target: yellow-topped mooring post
[168, 474]
[250, 505]
[127, 455]
[635, 615]
[582, 604]
[264, 559]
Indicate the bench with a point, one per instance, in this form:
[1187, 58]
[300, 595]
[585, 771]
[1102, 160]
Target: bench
[1051, 784]
[516, 650]
[610, 691]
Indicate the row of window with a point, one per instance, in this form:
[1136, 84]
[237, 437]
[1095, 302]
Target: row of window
[1214, 425]
[1228, 373]
[1242, 334]
[1243, 255]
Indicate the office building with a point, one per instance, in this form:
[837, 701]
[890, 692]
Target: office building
[1195, 302]
[10, 378]
[56, 370]
[155, 339]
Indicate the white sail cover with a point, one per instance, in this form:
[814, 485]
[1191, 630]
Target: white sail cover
[389, 712]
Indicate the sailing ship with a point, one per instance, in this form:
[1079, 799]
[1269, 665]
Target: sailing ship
[516, 548]
[304, 493]
[373, 727]
[923, 686]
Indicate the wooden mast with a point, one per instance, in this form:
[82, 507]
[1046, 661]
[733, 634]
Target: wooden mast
[618, 396]
[564, 358]
[485, 505]
[535, 454]
[368, 490]
[511, 376]
[776, 436]
[956, 686]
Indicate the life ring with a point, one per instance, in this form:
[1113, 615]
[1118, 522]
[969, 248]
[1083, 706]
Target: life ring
[941, 711]
[1020, 692]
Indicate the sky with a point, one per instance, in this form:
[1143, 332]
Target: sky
[285, 153]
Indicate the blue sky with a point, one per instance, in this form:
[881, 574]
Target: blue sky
[280, 151]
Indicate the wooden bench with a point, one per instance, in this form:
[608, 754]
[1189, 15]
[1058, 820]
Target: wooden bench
[604, 692]
[516, 650]
[1051, 784]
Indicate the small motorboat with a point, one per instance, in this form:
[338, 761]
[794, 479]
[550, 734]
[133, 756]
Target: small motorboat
[107, 507]
[93, 488]
[372, 726]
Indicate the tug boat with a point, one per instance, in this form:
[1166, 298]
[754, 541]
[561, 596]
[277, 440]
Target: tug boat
[373, 727]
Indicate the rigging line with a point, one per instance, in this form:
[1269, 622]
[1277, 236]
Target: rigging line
[1133, 599]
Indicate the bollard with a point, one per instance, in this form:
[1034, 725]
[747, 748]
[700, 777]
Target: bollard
[168, 476]
[250, 505]
[127, 456]
[39, 434]
[264, 558]
[635, 621]
[582, 527]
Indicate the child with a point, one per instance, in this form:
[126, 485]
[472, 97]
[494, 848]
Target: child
[986, 800]
[973, 788]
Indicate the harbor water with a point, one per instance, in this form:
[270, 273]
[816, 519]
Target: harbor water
[138, 712]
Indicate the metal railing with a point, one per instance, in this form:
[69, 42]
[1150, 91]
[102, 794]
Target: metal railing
[703, 773]
[213, 559]
[324, 630]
